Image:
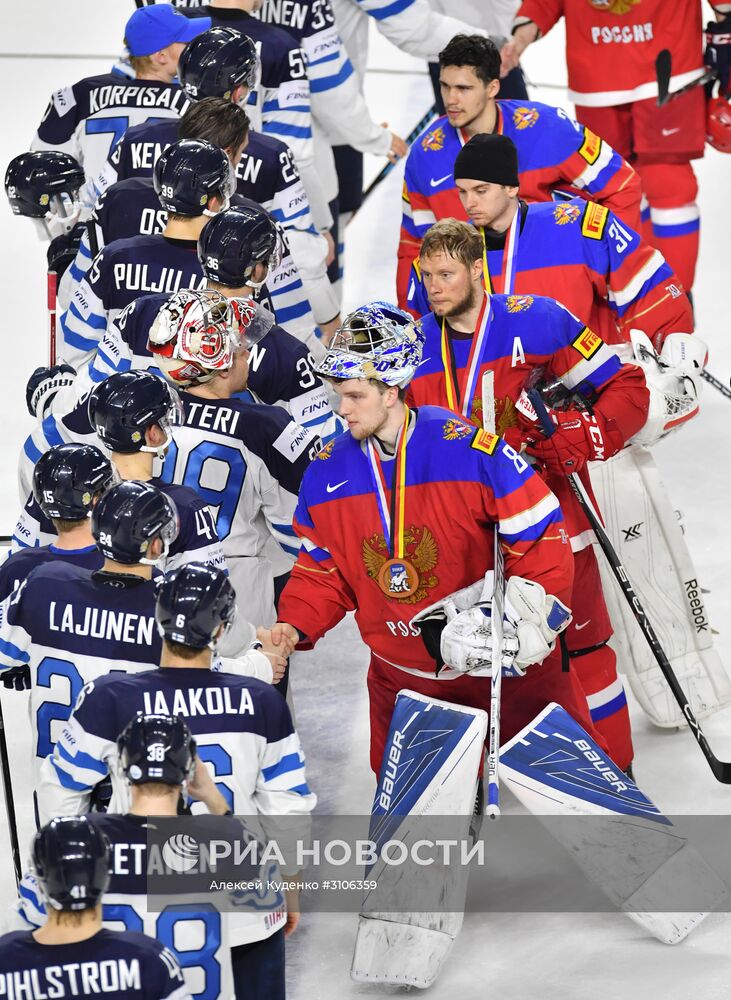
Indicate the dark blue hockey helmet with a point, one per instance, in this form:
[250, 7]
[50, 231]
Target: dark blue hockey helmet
[72, 860]
[234, 242]
[156, 748]
[37, 182]
[193, 602]
[67, 478]
[216, 62]
[123, 406]
[127, 519]
[190, 172]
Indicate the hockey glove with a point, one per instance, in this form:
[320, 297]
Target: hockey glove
[578, 439]
[672, 379]
[532, 622]
[17, 677]
[718, 50]
[43, 385]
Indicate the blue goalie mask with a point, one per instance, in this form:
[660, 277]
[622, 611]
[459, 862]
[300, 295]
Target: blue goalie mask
[378, 341]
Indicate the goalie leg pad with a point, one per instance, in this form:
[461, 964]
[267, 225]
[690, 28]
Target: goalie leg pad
[642, 524]
[430, 766]
[637, 858]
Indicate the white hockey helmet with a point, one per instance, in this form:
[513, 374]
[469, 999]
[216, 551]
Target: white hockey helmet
[376, 341]
[196, 334]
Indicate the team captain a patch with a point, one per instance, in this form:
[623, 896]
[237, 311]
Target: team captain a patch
[587, 343]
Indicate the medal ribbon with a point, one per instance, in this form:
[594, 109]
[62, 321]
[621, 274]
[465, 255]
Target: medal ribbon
[460, 397]
[510, 258]
[395, 517]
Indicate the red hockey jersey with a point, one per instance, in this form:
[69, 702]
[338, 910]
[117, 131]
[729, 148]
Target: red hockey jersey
[596, 266]
[459, 483]
[554, 151]
[611, 45]
[527, 332]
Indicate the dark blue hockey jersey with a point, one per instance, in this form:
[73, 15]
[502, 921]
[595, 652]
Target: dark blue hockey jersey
[125, 966]
[19, 564]
[89, 118]
[280, 366]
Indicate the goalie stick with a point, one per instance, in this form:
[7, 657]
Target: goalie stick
[419, 127]
[51, 289]
[496, 625]
[9, 800]
[721, 769]
[663, 72]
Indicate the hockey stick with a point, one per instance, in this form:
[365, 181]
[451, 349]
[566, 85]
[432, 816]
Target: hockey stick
[9, 800]
[419, 127]
[51, 289]
[496, 625]
[721, 769]
[663, 72]
[716, 383]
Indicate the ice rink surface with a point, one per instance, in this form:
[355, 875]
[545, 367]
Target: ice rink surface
[510, 956]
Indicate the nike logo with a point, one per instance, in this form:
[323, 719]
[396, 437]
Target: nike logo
[583, 625]
[441, 180]
[331, 489]
[670, 131]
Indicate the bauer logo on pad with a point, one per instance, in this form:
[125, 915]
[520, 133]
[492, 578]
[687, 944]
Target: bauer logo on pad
[587, 343]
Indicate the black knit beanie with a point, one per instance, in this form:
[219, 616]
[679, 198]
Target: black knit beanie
[491, 158]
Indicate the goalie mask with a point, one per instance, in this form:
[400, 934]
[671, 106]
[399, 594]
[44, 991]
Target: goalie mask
[196, 335]
[377, 341]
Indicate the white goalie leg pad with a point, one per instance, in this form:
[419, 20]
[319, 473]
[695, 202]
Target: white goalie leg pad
[637, 858]
[642, 524]
[430, 768]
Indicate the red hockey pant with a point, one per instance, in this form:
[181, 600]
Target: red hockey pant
[660, 143]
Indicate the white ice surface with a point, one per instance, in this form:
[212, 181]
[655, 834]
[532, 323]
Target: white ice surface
[512, 956]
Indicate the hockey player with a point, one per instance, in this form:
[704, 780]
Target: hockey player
[65, 624]
[45, 186]
[334, 87]
[243, 728]
[598, 267]
[88, 118]
[400, 512]
[280, 103]
[611, 52]
[67, 482]
[72, 954]
[481, 350]
[216, 66]
[553, 151]
[132, 208]
[157, 758]
[193, 180]
[245, 460]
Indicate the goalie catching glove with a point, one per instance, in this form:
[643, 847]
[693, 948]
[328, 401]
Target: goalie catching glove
[673, 380]
[457, 630]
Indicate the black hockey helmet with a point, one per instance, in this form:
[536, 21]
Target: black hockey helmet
[193, 602]
[68, 477]
[234, 242]
[188, 173]
[217, 61]
[123, 406]
[128, 517]
[156, 748]
[34, 182]
[72, 860]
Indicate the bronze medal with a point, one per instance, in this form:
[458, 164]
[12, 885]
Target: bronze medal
[398, 578]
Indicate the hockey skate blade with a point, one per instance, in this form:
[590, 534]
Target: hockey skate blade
[401, 954]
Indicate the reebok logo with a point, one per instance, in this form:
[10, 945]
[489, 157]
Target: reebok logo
[435, 183]
[698, 613]
[331, 489]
